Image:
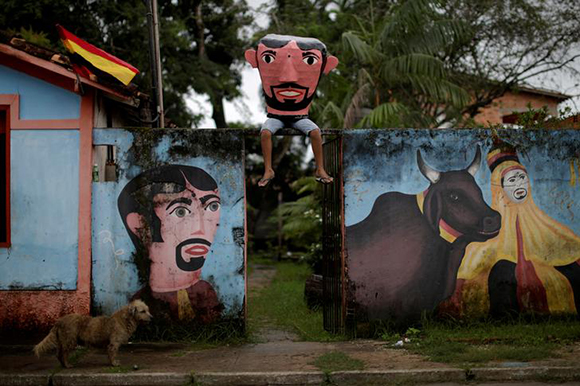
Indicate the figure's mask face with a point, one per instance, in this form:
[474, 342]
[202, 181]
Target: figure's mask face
[290, 72]
[516, 185]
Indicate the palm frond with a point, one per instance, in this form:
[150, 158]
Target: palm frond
[353, 43]
[385, 115]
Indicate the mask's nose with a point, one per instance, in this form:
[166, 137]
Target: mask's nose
[289, 73]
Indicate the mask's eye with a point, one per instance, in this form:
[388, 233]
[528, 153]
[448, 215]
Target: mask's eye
[180, 211]
[310, 60]
[268, 58]
[213, 206]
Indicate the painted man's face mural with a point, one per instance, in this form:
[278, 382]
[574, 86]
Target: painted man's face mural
[515, 184]
[290, 68]
[189, 221]
[172, 213]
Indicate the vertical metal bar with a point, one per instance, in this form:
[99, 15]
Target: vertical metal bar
[333, 297]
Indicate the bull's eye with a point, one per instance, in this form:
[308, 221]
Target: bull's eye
[454, 196]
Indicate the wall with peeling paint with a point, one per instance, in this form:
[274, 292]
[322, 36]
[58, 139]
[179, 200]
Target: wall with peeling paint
[116, 276]
[399, 265]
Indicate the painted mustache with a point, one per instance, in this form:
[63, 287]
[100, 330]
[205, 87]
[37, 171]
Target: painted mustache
[195, 254]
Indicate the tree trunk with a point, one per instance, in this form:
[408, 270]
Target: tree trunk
[218, 115]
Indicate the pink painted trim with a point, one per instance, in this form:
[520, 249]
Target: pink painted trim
[85, 178]
[13, 101]
[46, 70]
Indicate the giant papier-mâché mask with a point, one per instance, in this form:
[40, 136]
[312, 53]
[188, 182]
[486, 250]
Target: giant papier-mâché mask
[290, 68]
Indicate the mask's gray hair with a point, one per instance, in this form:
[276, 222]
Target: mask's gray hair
[278, 41]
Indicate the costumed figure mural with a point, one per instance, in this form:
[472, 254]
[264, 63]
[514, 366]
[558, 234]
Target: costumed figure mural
[532, 266]
[404, 256]
[290, 69]
[172, 214]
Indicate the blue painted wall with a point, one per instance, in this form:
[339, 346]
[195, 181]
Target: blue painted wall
[380, 163]
[39, 99]
[115, 276]
[44, 193]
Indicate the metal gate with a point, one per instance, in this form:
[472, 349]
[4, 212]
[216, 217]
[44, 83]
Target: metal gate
[332, 239]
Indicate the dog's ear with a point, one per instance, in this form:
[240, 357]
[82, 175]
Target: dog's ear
[133, 309]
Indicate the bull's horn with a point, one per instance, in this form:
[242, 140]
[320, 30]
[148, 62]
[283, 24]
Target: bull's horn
[429, 173]
[476, 163]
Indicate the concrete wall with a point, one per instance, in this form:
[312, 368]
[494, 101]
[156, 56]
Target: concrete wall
[121, 272]
[415, 245]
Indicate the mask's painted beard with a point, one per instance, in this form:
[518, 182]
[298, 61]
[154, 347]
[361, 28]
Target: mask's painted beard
[288, 105]
[194, 263]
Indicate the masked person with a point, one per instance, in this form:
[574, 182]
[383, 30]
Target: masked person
[532, 266]
[290, 68]
[172, 214]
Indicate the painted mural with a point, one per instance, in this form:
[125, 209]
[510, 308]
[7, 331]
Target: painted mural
[290, 69]
[425, 233]
[533, 265]
[172, 213]
[177, 239]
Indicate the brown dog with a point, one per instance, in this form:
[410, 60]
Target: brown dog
[110, 331]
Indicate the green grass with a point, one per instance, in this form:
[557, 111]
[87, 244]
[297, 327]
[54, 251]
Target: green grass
[118, 369]
[487, 341]
[282, 304]
[337, 361]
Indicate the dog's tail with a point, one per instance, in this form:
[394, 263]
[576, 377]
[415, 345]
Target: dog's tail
[47, 344]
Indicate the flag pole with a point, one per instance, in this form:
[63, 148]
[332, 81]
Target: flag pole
[155, 60]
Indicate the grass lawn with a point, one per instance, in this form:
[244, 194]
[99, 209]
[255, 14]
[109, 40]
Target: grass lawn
[474, 343]
[282, 304]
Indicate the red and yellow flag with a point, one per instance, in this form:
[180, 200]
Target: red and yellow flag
[105, 62]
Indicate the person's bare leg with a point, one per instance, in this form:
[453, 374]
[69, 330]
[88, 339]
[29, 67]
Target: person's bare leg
[266, 141]
[316, 142]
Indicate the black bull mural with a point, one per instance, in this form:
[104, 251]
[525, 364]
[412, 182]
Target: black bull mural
[399, 262]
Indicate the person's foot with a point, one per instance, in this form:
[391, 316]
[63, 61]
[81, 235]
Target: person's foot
[266, 178]
[323, 178]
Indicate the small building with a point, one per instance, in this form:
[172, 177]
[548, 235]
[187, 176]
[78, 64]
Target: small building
[47, 116]
[505, 109]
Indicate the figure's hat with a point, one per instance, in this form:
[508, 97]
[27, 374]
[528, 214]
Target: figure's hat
[501, 152]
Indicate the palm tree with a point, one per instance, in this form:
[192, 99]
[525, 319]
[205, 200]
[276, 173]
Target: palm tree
[400, 80]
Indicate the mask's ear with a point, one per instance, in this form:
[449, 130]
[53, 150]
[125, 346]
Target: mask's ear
[251, 58]
[331, 63]
[136, 222]
[433, 208]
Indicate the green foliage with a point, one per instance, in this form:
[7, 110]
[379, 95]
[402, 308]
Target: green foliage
[39, 38]
[428, 63]
[536, 119]
[282, 304]
[201, 51]
[302, 219]
[402, 77]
